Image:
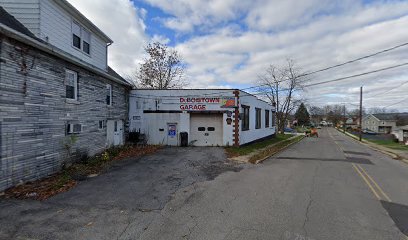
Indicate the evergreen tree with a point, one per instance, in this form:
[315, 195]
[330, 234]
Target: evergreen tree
[302, 115]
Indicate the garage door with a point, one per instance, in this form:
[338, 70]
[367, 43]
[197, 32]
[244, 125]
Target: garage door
[206, 129]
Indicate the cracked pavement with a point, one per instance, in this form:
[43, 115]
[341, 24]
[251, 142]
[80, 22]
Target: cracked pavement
[309, 191]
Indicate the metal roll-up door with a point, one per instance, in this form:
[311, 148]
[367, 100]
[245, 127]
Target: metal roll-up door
[206, 129]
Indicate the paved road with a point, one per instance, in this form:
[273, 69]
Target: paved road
[313, 190]
[125, 199]
[329, 187]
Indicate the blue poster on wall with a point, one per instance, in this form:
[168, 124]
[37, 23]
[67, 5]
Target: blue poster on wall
[172, 129]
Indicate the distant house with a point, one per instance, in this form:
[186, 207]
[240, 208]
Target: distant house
[58, 97]
[401, 131]
[352, 122]
[380, 123]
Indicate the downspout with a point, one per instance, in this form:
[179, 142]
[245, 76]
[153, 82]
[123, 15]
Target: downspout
[236, 119]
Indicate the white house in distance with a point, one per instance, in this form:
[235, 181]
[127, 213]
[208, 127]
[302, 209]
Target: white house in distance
[210, 117]
[380, 123]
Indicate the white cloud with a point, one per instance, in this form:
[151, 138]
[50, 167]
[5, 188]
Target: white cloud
[238, 57]
[189, 14]
[124, 24]
[237, 40]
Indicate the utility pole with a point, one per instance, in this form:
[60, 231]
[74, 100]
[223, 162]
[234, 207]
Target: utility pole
[361, 113]
[344, 118]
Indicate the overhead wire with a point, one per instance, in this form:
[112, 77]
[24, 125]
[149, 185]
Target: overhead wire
[306, 74]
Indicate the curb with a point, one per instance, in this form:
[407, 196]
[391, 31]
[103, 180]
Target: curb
[364, 142]
[280, 150]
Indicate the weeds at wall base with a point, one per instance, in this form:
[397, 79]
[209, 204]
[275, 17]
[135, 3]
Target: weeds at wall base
[80, 170]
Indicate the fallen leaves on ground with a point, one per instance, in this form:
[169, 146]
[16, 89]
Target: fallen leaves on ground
[64, 180]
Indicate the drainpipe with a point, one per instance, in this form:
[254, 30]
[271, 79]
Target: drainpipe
[236, 119]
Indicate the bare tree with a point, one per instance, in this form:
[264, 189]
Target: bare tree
[279, 85]
[376, 110]
[162, 69]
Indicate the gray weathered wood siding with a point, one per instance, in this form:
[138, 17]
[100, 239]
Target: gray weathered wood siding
[34, 112]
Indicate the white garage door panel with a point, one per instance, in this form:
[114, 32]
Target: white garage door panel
[206, 129]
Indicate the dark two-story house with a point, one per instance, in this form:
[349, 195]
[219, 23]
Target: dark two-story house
[58, 96]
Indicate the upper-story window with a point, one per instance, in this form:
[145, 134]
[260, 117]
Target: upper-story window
[81, 38]
[86, 47]
[76, 35]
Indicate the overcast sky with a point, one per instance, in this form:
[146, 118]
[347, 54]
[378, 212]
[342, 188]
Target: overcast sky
[229, 43]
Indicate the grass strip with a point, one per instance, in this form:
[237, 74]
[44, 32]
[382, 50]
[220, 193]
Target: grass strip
[250, 148]
[273, 149]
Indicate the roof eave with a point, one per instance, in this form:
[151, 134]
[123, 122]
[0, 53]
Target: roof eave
[7, 31]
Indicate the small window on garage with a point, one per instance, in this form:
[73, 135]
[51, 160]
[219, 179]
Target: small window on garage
[245, 118]
[201, 129]
[258, 118]
[266, 118]
[211, 129]
[273, 119]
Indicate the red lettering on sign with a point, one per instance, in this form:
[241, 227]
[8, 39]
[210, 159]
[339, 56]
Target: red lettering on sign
[192, 107]
[200, 100]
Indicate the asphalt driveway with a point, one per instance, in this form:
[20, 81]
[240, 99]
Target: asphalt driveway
[132, 192]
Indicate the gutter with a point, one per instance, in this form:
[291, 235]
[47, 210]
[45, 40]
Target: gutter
[7, 31]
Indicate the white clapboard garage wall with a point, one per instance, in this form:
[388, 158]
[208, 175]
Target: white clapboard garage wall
[208, 116]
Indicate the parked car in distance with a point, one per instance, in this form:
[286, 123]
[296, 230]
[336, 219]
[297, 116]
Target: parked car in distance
[319, 127]
[368, 131]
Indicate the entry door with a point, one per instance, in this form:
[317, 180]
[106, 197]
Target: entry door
[172, 134]
[206, 129]
[114, 132]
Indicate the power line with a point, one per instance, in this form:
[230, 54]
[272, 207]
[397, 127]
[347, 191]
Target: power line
[356, 75]
[389, 90]
[347, 62]
[357, 59]
[316, 71]
[405, 99]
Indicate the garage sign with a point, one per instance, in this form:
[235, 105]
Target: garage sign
[197, 103]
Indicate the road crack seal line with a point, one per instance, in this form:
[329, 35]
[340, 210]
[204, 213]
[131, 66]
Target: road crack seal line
[190, 229]
[309, 204]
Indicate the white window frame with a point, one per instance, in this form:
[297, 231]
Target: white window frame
[86, 37]
[258, 118]
[76, 24]
[67, 71]
[82, 33]
[103, 124]
[110, 94]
